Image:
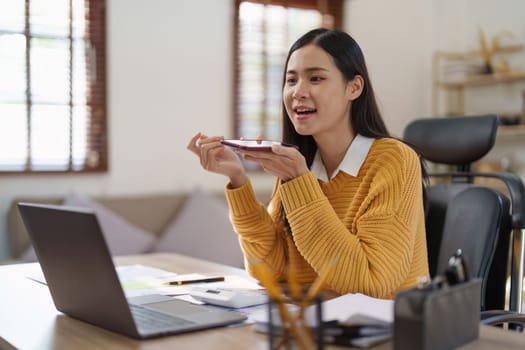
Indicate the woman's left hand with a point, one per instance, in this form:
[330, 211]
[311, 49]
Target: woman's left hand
[284, 162]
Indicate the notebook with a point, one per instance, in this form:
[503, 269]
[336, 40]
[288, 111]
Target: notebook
[83, 282]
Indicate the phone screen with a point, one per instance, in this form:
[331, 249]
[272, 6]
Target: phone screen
[251, 145]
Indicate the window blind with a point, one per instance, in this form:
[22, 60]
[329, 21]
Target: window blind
[53, 86]
[264, 32]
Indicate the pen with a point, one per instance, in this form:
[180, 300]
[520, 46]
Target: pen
[198, 280]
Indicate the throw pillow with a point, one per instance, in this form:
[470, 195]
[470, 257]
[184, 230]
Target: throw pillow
[29, 255]
[202, 229]
[121, 237]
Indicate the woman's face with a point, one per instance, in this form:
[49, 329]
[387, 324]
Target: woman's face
[316, 96]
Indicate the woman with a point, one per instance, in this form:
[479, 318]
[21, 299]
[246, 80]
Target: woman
[349, 192]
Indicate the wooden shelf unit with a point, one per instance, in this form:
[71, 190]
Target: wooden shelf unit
[439, 84]
[485, 79]
[459, 85]
[511, 130]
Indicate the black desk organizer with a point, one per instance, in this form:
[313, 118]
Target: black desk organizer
[436, 317]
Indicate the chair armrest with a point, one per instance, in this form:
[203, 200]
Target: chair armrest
[514, 185]
[498, 317]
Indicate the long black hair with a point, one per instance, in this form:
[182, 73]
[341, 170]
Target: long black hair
[365, 117]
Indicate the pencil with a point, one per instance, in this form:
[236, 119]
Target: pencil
[320, 280]
[293, 285]
[267, 280]
[198, 280]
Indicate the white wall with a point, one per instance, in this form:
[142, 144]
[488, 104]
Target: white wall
[394, 36]
[399, 38]
[170, 75]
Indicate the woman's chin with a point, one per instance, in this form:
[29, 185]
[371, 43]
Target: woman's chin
[303, 131]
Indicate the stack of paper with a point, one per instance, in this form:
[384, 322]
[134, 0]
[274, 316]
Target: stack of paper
[352, 319]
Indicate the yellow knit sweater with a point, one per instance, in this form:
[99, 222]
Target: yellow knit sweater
[373, 224]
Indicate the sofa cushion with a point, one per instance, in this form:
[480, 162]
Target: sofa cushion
[203, 230]
[121, 236]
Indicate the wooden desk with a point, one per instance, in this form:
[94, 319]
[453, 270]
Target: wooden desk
[29, 320]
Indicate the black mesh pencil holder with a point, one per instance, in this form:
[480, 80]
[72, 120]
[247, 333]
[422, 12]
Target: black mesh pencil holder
[295, 323]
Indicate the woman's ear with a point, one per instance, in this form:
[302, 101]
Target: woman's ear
[354, 87]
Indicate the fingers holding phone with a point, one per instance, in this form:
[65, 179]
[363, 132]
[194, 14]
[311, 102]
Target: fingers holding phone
[278, 159]
[213, 156]
[194, 144]
[210, 152]
[201, 145]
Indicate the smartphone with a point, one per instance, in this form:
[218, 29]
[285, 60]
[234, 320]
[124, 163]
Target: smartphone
[254, 145]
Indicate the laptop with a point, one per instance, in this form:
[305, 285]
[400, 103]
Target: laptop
[84, 284]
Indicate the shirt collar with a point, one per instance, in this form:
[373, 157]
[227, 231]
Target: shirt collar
[354, 158]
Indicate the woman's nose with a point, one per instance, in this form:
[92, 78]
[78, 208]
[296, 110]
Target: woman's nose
[300, 91]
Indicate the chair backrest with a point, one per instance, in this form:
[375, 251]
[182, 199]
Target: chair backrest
[460, 214]
[455, 141]
[478, 223]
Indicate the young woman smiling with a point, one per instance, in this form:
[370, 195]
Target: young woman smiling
[349, 192]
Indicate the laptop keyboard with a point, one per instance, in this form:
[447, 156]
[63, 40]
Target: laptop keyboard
[150, 320]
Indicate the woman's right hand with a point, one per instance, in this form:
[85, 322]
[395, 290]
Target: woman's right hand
[217, 158]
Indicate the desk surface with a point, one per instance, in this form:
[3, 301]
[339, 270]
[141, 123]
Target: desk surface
[29, 320]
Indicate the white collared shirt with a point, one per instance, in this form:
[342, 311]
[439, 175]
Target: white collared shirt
[354, 158]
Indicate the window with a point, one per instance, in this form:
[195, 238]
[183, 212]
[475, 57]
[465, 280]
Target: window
[265, 30]
[52, 86]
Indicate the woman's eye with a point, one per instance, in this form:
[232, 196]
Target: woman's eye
[316, 79]
[291, 81]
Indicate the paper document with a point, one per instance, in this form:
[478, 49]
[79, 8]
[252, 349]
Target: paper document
[350, 320]
[138, 280]
[136, 272]
[350, 309]
[359, 309]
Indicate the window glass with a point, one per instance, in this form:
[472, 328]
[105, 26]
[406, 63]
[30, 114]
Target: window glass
[52, 82]
[265, 33]
[50, 137]
[13, 136]
[12, 15]
[49, 71]
[12, 68]
[49, 18]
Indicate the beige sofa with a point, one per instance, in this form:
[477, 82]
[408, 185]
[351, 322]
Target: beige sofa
[205, 231]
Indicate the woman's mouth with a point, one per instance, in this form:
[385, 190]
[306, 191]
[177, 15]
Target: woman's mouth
[303, 112]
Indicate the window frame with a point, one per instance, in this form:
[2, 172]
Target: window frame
[96, 96]
[333, 8]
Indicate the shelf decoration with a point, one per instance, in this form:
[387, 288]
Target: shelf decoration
[454, 72]
[498, 46]
[486, 53]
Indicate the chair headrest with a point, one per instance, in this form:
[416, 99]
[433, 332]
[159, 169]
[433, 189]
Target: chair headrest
[453, 140]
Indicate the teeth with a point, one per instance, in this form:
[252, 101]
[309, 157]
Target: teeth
[304, 110]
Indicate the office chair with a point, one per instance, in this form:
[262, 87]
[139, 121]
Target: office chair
[479, 220]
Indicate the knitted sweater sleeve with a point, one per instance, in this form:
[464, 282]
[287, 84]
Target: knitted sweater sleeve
[374, 255]
[256, 229]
